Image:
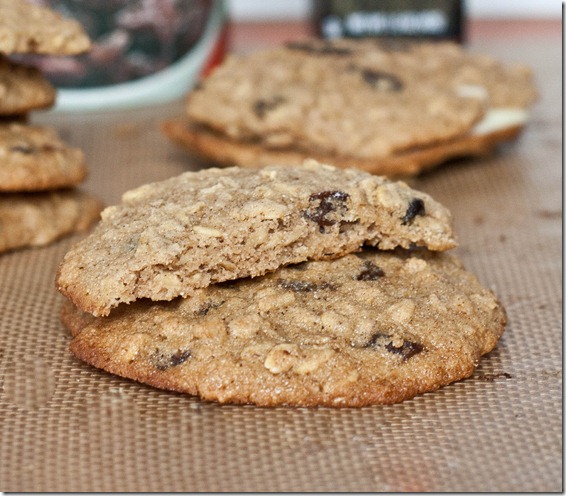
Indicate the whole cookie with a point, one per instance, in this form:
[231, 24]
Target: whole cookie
[343, 97]
[30, 28]
[34, 158]
[387, 107]
[214, 148]
[23, 89]
[169, 238]
[368, 328]
[37, 219]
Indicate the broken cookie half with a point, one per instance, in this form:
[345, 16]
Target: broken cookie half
[170, 238]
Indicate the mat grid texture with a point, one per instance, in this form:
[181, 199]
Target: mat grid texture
[65, 426]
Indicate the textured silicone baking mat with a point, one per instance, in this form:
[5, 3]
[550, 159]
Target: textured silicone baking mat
[65, 426]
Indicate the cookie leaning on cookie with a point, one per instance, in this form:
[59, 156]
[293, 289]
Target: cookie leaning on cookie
[369, 328]
[170, 238]
[393, 108]
[274, 296]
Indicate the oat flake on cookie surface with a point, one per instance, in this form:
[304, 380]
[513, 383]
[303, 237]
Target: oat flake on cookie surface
[168, 239]
[369, 328]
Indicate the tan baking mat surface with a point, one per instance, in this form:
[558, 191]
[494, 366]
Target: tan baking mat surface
[65, 426]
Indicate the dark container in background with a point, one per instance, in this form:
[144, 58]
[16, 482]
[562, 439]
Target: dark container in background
[144, 52]
[426, 19]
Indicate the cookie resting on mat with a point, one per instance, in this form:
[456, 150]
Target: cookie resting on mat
[34, 158]
[29, 28]
[168, 239]
[37, 219]
[369, 328]
[387, 107]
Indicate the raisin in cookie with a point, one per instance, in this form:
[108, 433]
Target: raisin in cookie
[388, 108]
[22, 89]
[37, 219]
[169, 238]
[29, 28]
[369, 328]
[34, 158]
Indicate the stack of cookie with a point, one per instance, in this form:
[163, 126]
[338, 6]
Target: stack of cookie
[296, 285]
[391, 107]
[37, 169]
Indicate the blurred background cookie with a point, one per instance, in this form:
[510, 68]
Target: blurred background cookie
[23, 89]
[34, 158]
[393, 107]
[29, 28]
[37, 219]
[35, 163]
